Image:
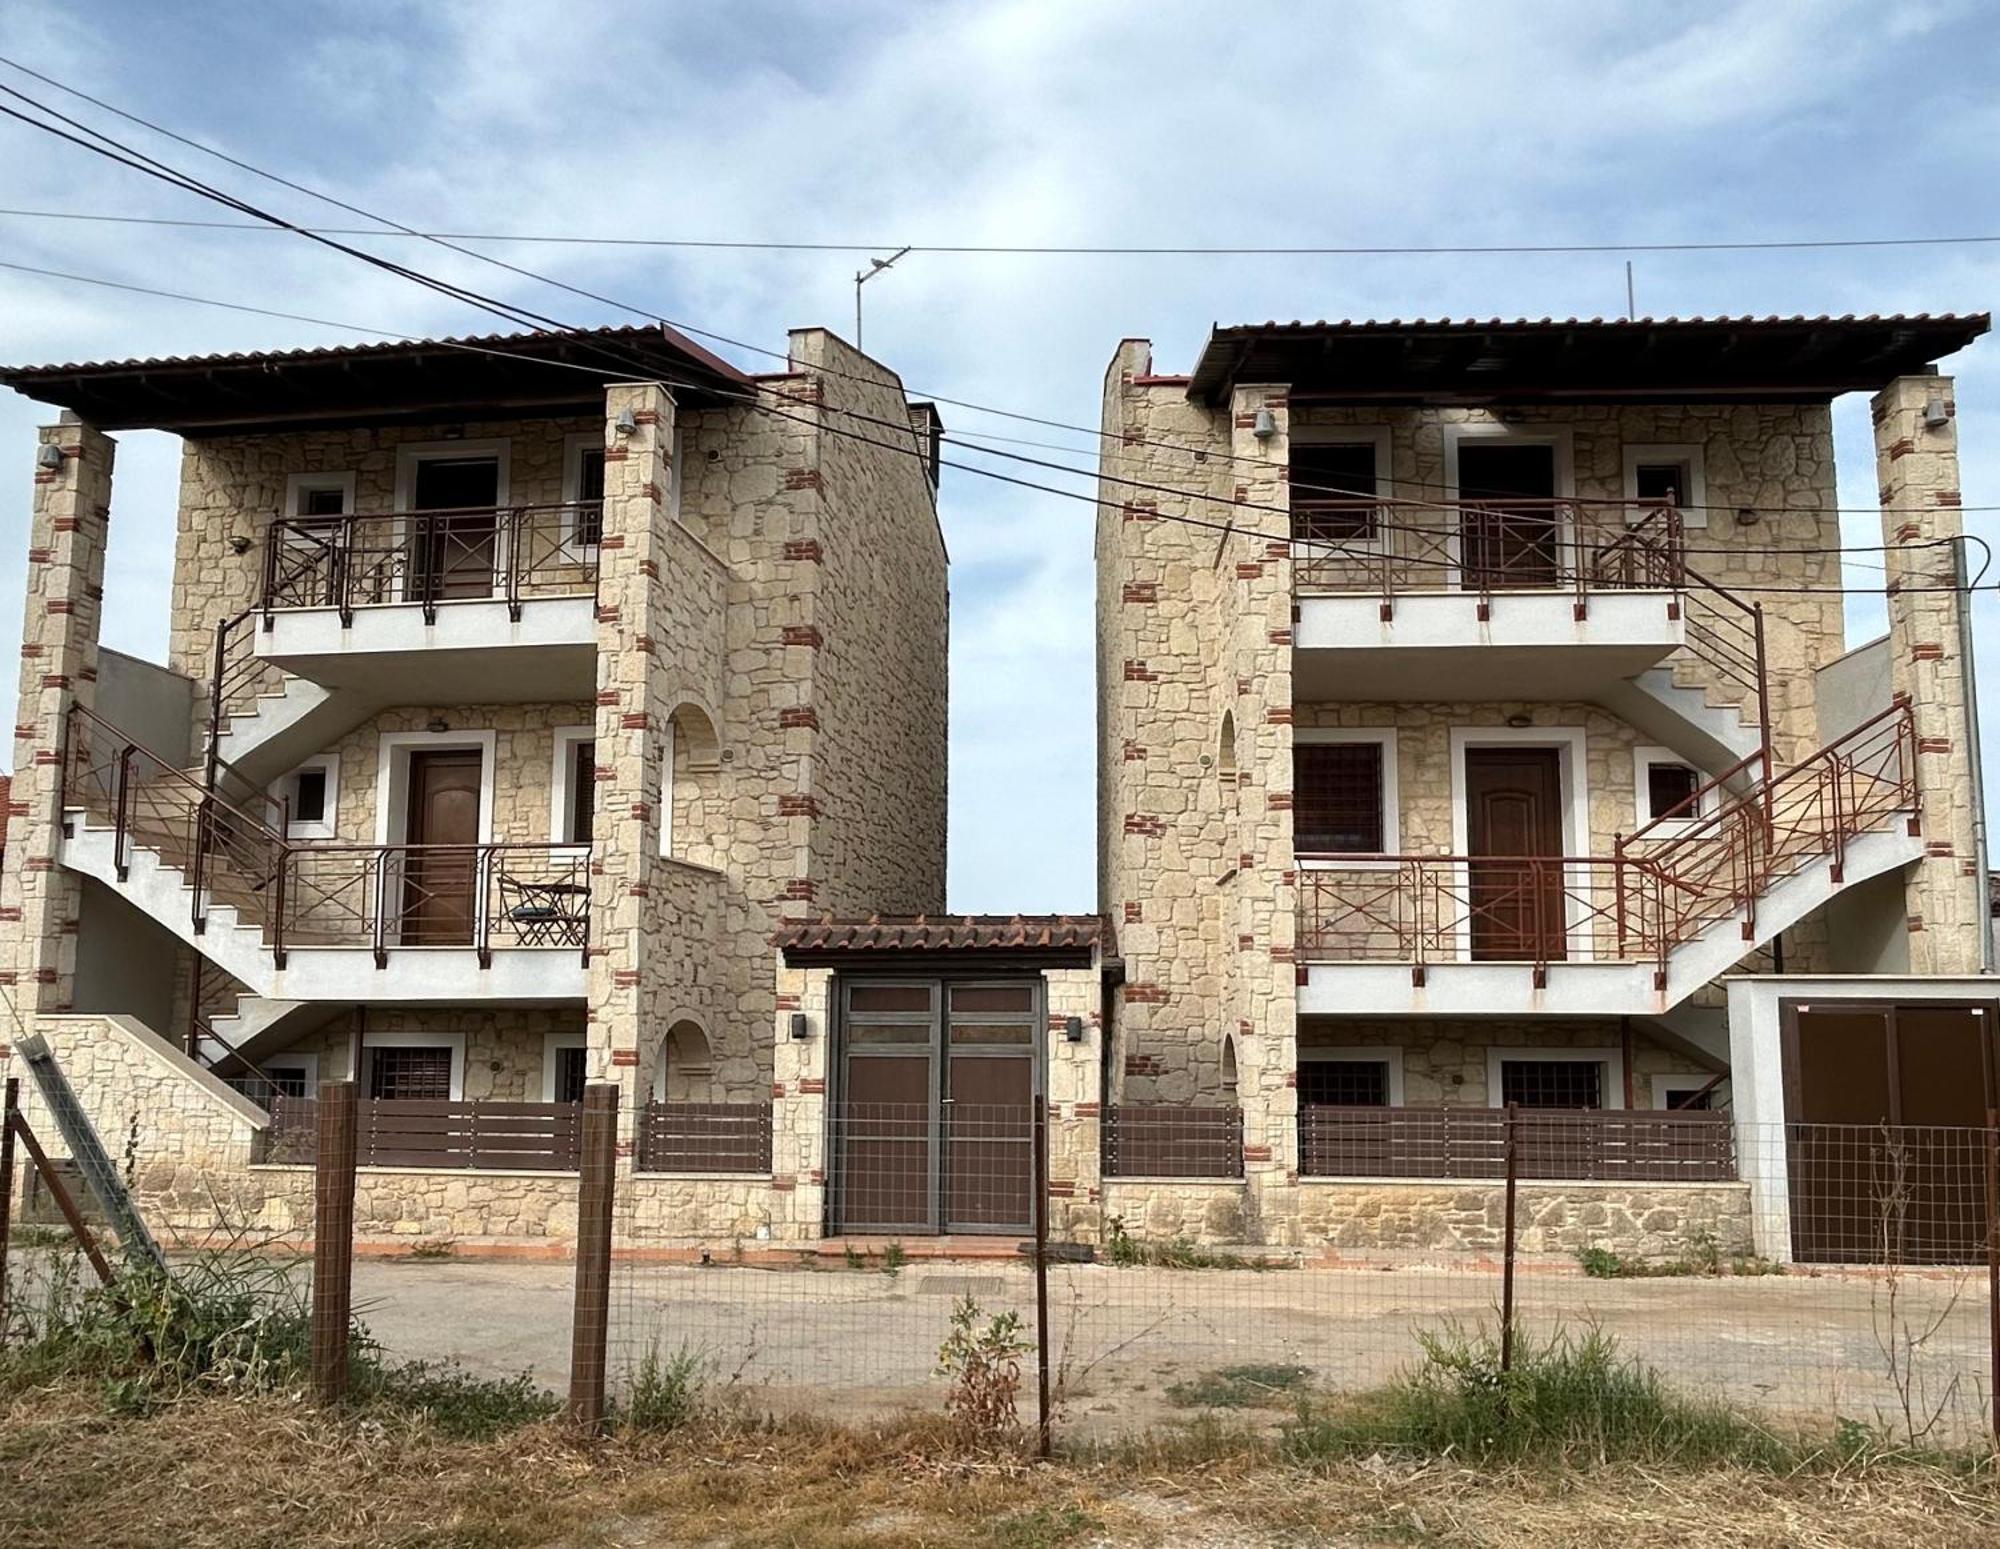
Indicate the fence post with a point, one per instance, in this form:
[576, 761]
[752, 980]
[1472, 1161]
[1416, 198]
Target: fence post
[590, 1328]
[333, 1239]
[1507, 1252]
[1993, 1262]
[1043, 1419]
[13, 1101]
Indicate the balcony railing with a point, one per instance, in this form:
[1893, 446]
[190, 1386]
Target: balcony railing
[407, 1132]
[1661, 887]
[705, 1138]
[1162, 1140]
[378, 897]
[1600, 1146]
[510, 553]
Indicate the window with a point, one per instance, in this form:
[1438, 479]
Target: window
[565, 1066]
[1334, 490]
[573, 785]
[1343, 1084]
[1552, 1083]
[413, 1072]
[310, 793]
[1665, 783]
[586, 493]
[1337, 798]
[1654, 472]
[1669, 787]
[1689, 1094]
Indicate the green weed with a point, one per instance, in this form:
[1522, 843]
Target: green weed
[1254, 1386]
[666, 1390]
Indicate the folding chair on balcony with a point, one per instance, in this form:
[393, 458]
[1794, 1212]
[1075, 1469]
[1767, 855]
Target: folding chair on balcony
[545, 914]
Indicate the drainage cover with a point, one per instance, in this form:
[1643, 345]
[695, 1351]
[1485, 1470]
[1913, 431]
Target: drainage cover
[960, 1285]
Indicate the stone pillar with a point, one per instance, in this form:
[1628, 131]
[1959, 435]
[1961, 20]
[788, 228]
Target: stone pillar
[799, 1162]
[1265, 990]
[38, 899]
[631, 738]
[1917, 467]
[1074, 1090]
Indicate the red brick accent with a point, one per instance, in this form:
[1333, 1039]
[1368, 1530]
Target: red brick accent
[1246, 943]
[1933, 744]
[645, 416]
[1141, 511]
[803, 634]
[1089, 1110]
[1145, 995]
[1246, 421]
[783, 1183]
[1245, 861]
[1927, 651]
[1243, 1026]
[798, 806]
[1249, 569]
[799, 715]
[607, 613]
[1256, 1153]
[1940, 848]
[812, 1086]
[1915, 923]
[798, 888]
[1134, 754]
[1244, 685]
[607, 698]
[1139, 672]
[804, 478]
[1062, 1188]
[59, 606]
[650, 569]
[55, 680]
[1142, 1065]
[653, 492]
[635, 720]
[1291, 1078]
[643, 645]
[1141, 592]
[1278, 715]
[40, 556]
[1948, 497]
[1281, 954]
[788, 1003]
[625, 978]
[1280, 637]
[1909, 532]
[1134, 913]
[638, 890]
[39, 863]
[642, 810]
[806, 549]
[617, 454]
[1242, 493]
[1900, 449]
[1278, 801]
[33, 649]
[1145, 824]
[815, 1175]
[625, 1059]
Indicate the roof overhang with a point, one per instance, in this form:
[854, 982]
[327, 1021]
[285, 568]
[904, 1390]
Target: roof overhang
[977, 943]
[1658, 360]
[495, 376]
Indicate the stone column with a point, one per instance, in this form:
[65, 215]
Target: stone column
[1265, 991]
[799, 1163]
[1073, 1088]
[1917, 467]
[38, 899]
[631, 738]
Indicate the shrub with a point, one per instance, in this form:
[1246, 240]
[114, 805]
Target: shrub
[666, 1391]
[984, 1365]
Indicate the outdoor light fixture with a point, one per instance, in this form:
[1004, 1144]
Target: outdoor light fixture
[1935, 417]
[50, 456]
[801, 1028]
[1266, 425]
[1073, 1029]
[626, 423]
[438, 726]
[239, 544]
[1518, 721]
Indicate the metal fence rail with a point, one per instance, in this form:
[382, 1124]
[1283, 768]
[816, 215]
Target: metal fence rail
[705, 1138]
[1583, 1146]
[1168, 1141]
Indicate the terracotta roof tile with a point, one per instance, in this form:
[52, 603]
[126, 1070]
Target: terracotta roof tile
[944, 933]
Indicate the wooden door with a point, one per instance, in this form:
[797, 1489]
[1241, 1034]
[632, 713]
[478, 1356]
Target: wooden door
[1514, 886]
[989, 1142]
[453, 555]
[1510, 533]
[441, 866]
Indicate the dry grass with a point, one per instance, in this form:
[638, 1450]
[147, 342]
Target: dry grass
[254, 1472]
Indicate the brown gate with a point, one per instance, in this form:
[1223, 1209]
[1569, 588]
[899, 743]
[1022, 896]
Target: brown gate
[1514, 888]
[1886, 1107]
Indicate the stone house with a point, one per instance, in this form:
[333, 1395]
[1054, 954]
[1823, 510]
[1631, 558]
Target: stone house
[519, 689]
[1473, 701]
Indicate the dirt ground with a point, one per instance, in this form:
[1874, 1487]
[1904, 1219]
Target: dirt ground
[211, 1472]
[864, 1341]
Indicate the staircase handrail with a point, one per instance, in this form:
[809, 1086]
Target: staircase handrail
[182, 777]
[224, 673]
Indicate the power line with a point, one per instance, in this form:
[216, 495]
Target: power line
[1004, 249]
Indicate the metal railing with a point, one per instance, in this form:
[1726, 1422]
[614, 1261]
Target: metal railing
[309, 894]
[1167, 1140]
[509, 553]
[705, 1138]
[1580, 1145]
[1661, 887]
[486, 1134]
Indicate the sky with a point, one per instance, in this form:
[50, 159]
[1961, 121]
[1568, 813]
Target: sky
[1004, 122]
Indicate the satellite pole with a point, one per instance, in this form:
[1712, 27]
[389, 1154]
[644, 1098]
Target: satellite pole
[861, 278]
[1631, 310]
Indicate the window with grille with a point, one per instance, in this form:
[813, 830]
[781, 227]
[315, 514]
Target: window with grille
[1552, 1083]
[589, 519]
[285, 1080]
[1343, 1084]
[582, 802]
[419, 1074]
[1654, 482]
[1333, 491]
[570, 1066]
[1337, 798]
[1688, 1099]
[1667, 787]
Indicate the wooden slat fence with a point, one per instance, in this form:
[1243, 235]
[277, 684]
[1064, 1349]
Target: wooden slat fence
[705, 1138]
[406, 1132]
[1608, 1146]
[1170, 1141]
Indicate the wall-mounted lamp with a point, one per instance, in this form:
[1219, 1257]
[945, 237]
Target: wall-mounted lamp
[438, 725]
[1746, 516]
[50, 456]
[1936, 416]
[626, 423]
[1072, 1029]
[801, 1027]
[1518, 721]
[1265, 425]
[239, 544]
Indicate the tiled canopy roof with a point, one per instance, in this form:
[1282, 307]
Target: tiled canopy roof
[945, 933]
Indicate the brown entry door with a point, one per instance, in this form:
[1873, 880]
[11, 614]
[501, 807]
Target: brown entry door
[1509, 529]
[440, 867]
[989, 1143]
[1514, 836]
[453, 552]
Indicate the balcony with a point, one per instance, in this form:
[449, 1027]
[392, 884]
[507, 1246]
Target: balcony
[1633, 932]
[1559, 599]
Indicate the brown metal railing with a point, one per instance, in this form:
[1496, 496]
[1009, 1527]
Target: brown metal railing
[309, 894]
[509, 553]
[1583, 1145]
[1163, 1140]
[409, 1132]
[1661, 886]
[705, 1138]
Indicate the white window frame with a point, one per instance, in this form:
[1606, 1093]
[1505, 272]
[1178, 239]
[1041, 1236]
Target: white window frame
[298, 485]
[1662, 1085]
[1693, 500]
[1381, 438]
[392, 776]
[1392, 800]
[572, 481]
[455, 1042]
[1573, 774]
[1560, 437]
[327, 828]
[1612, 1086]
[411, 453]
[1362, 1054]
[562, 781]
[1644, 758]
[552, 1045]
